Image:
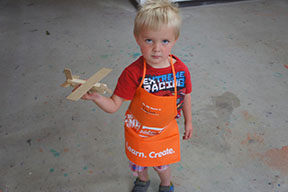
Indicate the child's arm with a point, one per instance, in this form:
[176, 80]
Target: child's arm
[188, 117]
[107, 104]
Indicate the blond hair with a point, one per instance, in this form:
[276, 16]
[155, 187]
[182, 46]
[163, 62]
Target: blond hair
[157, 14]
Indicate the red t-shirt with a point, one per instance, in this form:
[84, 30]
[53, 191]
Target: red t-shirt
[157, 81]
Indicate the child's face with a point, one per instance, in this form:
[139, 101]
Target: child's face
[156, 46]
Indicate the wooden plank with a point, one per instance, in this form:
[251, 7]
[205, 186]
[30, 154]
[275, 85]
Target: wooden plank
[84, 88]
[77, 82]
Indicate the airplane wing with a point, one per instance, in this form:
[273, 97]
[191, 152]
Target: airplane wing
[78, 93]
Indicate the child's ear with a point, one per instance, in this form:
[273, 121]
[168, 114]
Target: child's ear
[176, 39]
[136, 38]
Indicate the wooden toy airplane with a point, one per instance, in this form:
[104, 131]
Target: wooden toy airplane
[90, 85]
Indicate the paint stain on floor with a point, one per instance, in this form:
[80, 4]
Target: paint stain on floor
[255, 138]
[277, 159]
[251, 119]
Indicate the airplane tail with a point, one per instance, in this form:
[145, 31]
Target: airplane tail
[69, 77]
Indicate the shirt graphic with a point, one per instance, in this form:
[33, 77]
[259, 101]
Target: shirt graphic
[154, 84]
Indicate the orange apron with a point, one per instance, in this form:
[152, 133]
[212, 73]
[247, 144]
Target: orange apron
[152, 115]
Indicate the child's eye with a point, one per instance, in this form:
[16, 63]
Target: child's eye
[165, 41]
[148, 41]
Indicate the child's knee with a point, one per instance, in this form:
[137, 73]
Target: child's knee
[161, 169]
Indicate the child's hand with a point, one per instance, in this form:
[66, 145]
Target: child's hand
[188, 132]
[90, 96]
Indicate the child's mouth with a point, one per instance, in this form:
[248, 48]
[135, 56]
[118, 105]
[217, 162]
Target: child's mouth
[156, 57]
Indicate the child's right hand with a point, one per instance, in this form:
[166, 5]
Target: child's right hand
[89, 95]
[107, 104]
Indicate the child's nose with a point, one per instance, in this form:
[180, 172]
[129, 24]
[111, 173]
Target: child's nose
[157, 47]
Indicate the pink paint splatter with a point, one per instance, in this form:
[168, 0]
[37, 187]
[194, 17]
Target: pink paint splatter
[286, 66]
[276, 159]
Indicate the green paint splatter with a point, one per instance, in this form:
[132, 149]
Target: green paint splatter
[55, 153]
[85, 168]
[230, 37]
[65, 174]
[135, 55]
[104, 56]
[52, 170]
[180, 167]
[278, 74]
[186, 60]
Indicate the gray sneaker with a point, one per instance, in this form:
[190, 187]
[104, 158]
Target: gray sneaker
[166, 188]
[140, 186]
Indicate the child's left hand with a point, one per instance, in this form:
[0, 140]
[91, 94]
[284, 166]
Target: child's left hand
[188, 131]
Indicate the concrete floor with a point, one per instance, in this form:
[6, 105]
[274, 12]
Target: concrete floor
[237, 55]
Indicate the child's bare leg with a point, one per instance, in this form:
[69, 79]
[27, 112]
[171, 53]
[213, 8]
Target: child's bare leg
[143, 175]
[165, 176]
